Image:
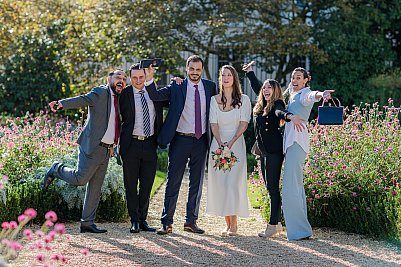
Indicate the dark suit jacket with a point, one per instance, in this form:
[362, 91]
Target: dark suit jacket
[127, 111]
[99, 102]
[267, 128]
[176, 95]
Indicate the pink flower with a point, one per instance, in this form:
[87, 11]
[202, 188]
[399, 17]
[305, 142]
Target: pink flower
[30, 213]
[394, 193]
[13, 224]
[354, 194]
[317, 196]
[5, 225]
[22, 218]
[27, 232]
[51, 216]
[39, 233]
[63, 259]
[40, 257]
[49, 223]
[85, 251]
[56, 257]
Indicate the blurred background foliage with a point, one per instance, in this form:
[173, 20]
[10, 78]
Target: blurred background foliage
[60, 48]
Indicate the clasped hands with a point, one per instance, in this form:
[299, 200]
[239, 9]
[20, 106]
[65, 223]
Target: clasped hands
[227, 144]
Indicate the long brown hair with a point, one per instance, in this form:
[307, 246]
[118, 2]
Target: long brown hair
[263, 106]
[237, 90]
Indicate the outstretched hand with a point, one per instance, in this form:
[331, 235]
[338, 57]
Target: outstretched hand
[327, 94]
[55, 105]
[248, 67]
[298, 123]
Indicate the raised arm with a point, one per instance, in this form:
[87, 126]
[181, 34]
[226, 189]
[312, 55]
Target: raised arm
[255, 83]
[162, 94]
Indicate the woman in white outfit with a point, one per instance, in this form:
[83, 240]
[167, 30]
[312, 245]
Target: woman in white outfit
[230, 112]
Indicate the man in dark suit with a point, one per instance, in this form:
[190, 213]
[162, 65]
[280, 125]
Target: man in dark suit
[96, 142]
[187, 131]
[141, 122]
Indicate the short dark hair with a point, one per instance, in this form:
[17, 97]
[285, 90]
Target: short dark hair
[194, 58]
[136, 66]
[111, 73]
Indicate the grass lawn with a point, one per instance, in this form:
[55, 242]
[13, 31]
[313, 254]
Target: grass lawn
[159, 180]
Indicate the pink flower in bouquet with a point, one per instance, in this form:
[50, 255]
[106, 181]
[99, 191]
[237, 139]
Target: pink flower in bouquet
[218, 151]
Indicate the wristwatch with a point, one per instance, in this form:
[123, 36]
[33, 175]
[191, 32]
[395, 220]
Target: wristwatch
[288, 116]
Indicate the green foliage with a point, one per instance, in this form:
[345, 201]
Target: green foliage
[162, 160]
[340, 33]
[34, 75]
[386, 86]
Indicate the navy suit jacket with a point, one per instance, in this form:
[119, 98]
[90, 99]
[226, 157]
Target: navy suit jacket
[176, 95]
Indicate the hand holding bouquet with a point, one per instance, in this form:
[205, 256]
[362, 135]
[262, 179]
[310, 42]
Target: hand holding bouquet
[224, 158]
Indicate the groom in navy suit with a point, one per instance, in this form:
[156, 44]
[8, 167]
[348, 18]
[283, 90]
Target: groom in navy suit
[187, 130]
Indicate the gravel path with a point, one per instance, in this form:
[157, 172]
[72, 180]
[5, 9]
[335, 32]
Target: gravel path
[120, 248]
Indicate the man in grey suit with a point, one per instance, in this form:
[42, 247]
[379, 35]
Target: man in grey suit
[96, 143]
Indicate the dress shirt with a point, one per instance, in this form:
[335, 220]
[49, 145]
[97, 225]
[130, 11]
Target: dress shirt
[108, 137]
[186, 124]
[138, 126]
[300, 104]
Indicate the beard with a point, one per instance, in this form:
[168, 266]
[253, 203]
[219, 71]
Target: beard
[114, 88]
[194, 78]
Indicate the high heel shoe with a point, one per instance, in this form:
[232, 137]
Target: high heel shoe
[271, 231]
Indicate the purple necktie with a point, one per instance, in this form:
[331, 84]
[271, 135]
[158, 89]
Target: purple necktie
[198, 119]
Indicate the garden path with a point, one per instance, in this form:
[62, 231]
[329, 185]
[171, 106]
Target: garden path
[120, 248]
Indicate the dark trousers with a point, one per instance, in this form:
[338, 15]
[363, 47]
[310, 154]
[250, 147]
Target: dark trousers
[139, 164]
[181, 149]
[271, 164]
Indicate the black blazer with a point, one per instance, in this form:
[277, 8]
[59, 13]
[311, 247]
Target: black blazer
[127, 111]
[267, 128]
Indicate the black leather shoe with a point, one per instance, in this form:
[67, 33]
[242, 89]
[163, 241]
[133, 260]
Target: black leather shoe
[144, 226]
[134, 227]
[49, 176]
[165, 229]
[192, 227]
[92, 229]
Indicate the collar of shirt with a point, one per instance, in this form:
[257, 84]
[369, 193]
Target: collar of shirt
[191, 84]
[136, 91]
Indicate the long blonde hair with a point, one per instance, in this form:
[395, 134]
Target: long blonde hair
[237, 90]
[262, 106]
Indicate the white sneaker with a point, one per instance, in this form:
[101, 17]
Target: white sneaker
[271, 231]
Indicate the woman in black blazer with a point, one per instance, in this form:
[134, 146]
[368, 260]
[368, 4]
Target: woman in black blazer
[269, 114]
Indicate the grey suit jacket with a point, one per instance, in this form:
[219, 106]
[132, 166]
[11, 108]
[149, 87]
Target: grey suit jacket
[99, 102]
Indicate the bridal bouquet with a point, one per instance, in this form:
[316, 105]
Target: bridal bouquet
[224, 159]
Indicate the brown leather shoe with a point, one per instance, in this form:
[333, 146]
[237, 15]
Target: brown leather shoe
[165, 229]
[192, 227]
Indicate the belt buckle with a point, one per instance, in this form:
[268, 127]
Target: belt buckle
[141, 138]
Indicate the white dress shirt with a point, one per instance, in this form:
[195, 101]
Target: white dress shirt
[108, 137]
[186, 124]
[138, 126]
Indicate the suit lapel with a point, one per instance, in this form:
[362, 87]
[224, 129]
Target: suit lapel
[131, 99]
[208, 95]
[184, 89]
[108, 104]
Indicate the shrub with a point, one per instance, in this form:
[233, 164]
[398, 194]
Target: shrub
[352, 175]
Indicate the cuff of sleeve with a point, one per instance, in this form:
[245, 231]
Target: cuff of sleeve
[147, 83]
[314, 96]
[286, 116]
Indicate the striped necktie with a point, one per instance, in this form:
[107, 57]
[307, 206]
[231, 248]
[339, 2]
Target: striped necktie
[146, 116]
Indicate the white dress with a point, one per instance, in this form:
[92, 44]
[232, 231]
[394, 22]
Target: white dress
[227, 191]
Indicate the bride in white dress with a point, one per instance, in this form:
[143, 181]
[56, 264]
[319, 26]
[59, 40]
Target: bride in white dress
[230, 112]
